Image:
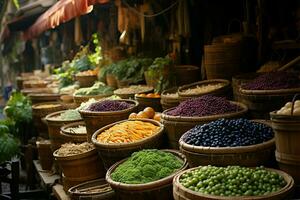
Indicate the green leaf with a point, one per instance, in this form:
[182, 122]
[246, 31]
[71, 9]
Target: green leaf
[9, 147]
[16, 3]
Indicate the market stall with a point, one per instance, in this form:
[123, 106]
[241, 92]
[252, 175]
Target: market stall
[117, 122]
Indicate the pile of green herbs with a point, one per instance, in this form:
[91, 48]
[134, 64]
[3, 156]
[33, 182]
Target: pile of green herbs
[146, 166]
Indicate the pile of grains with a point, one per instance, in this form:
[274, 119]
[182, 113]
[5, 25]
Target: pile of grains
[274, 81]
[202, 89]
[204, 106]
[134, 89]
[70, 149]
[146, 166]
[109, 105]
[76, 130]
[229, 133]
[70, 115]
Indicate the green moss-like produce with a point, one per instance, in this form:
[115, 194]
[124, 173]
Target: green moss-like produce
[146, 166]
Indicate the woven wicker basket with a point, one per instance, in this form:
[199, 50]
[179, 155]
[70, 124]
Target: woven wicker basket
[182, 193]
[112, 153]
[157, 190]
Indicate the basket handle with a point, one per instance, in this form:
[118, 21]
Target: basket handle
[293, 103]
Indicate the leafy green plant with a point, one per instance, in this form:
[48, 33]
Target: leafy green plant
[131, 69]
[18, 108]
[162, 70]
[84, 60]
[9, 144]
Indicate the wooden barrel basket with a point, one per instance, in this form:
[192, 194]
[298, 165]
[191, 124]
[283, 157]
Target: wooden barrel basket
[167, 101]
[84, 191]
[69, 136]
[80, 168]
[86, 80]
[248, 156]
[186, 74]
[54, 126]
[130, 95]
[44, 97]
[111, 81]
[287, 137]
[28, 91]
[224, 91]
[156, 190]
[176, 126]
[112, 153]
[39, 112]
[153, 102]
[222, 60]
[45, 154]
[182, 193]
[97, 120]
[261, 102]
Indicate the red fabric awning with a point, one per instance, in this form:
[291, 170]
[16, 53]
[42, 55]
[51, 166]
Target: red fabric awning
[61, 12]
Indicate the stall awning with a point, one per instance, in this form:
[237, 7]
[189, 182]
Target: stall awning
[61, 12]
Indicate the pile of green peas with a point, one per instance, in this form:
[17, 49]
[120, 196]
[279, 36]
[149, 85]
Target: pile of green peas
[232, 181]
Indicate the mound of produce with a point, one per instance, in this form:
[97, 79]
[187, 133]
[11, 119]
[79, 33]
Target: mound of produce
[109, 105]
[70, 149]
[146, 166]
[129, 131]
[232, 181]
[229, 133]
[204, 106]
[274, 81]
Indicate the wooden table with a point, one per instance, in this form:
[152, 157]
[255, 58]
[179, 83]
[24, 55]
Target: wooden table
[48, 178]
[59, 193]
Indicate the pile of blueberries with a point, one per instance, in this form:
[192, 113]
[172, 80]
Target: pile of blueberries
[229, 133]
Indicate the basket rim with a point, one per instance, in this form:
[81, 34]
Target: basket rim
[74, 157]
[41, 95]
[95, 113]
[148, 98]
[187, 67]
[57, 104]
[150, 185]
[274, 116]
[225, 150]
[128, 144]
[289, 185]
[149, 89]
[78, 75]
[73, 190]
[64, 127]
[49, 116]
[269, 92]
[192, 85]
[244, 110]
[91, 96]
